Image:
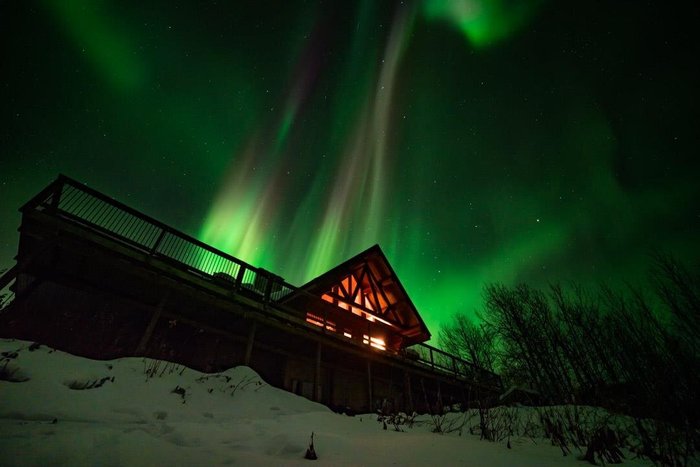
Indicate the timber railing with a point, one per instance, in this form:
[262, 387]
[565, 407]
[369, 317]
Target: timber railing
[448, 364]
[76, 202]
[73, 201]
[7, 280]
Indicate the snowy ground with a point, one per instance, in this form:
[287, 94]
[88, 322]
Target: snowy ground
[65, 410]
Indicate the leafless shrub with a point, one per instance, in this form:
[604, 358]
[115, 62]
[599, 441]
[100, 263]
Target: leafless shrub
[244, 383]
[398, 421]
[448, 422]
[157, 368]
[604, 447]
[634, 352]
[311, 450]
[227, 385]
[664, 444]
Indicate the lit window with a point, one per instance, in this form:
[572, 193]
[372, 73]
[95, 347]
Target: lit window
[314, 319]
[318, 321]
[375, 342]
[378, 343]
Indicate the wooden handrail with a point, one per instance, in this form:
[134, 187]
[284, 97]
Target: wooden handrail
[7, 277]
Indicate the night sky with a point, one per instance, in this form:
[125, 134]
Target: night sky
[475, 141]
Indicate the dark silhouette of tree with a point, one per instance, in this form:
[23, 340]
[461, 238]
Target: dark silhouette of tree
[469, 341]
[635, 351]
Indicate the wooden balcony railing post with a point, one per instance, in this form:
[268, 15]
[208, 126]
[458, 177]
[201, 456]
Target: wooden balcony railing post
[249, 343]
[268, 287]
[239, 277]
[157, 243]
[56, 195]
[317, 374]
[325, 319]
[370, 396]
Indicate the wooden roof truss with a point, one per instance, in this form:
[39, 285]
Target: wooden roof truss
[361, 291]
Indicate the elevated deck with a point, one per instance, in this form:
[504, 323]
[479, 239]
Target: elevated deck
[76, 242]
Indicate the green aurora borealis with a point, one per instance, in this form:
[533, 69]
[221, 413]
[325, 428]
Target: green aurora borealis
[475, 141]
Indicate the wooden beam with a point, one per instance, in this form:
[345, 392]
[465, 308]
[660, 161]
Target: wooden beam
[381, 289]
[317, 374]
[8, 276]
[249, 343]
[365, 309]
[391, 311]
[386, 280]
[373, 286]
[369, 385]
[341, 286]
[408, 393]
[358, 286]
[143, 343]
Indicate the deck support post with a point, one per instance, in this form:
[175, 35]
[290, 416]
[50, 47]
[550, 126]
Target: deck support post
[407, 392]
[143, 343]
[317, 374]
[249, 343]
[369, 385]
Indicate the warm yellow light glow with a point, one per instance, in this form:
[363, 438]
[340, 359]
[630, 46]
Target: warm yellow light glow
[348, 283]
[318, 321]
[376, 342]
[367, 307]
[367, 302]
[313, 321]
[360, 305]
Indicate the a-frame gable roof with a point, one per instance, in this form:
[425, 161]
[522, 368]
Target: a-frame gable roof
[368, 282]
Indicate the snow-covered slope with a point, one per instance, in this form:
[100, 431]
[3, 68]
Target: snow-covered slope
[58, 409]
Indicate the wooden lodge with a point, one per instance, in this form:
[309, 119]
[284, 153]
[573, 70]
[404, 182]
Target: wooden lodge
[99, 279]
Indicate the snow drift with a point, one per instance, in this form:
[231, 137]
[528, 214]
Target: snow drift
[58, 409]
